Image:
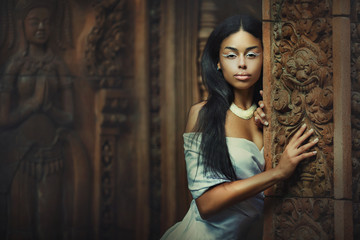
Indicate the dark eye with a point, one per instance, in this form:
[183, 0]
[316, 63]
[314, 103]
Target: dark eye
[252, 54]
[34, 23]
[230, 55]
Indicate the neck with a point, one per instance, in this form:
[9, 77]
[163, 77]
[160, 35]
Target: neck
[37, 50]
[244, 98]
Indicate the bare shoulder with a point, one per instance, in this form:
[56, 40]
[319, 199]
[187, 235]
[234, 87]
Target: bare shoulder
[193, 116]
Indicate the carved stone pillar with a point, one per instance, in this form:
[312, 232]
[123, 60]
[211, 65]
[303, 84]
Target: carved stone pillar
[109, 60]
[155, 144]
[355, 111]
[307, 74]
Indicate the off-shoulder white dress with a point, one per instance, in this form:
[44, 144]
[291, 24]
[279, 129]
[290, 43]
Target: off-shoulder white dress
[234, 222]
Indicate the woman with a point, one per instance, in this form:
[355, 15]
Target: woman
[223, 145]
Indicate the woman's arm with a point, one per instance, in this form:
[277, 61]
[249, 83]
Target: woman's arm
[10, 117]
[226, 194]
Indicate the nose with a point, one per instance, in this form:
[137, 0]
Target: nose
[41, 25]
[242, 63]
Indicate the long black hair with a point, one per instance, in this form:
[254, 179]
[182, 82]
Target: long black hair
[211, 120]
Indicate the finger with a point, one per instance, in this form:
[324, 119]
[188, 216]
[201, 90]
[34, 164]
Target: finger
[303, 137]
[261, 104]
[261, 113]
[307, 146]
[256, 116]
[306, 155]
[262, 117]
[298, 134]
[258, 122]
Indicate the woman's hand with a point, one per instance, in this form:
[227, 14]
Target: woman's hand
[40, 88]
[295, 152]
[260, 117]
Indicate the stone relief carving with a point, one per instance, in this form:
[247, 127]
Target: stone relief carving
[355, 115]
[155, 19]
[115, 112]
[105, 66]
[105, 44]
[41, 154]
[356, 220]
[302, 90]
[355, 107]
[355, 133]
[9, 11]
[107, 186]
[304, 218]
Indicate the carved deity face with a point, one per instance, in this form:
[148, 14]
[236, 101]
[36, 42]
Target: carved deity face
[240, 59]
[302, 68]
[37, 26]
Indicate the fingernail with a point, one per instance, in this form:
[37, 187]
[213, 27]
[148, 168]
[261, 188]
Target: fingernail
[314, 152]
[316, 140]
[266, 123]
[304, 125]
[256, 119]
[311, 130]
[262, 115]
[262, 105]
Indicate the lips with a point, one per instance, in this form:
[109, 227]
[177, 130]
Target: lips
[242, 76]
[40, 34]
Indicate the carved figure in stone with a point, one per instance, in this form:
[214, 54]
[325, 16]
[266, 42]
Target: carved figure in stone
[43, 166]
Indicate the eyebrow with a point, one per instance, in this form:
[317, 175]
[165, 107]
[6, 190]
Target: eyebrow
[35, 18]
[235, 49]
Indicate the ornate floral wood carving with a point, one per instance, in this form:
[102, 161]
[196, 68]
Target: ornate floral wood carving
[302, 90]
[304, 218]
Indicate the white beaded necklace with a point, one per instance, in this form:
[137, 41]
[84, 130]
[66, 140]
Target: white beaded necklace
[244, 114]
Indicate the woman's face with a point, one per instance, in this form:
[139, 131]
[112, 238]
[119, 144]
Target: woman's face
[37, 24]
[240, 59]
